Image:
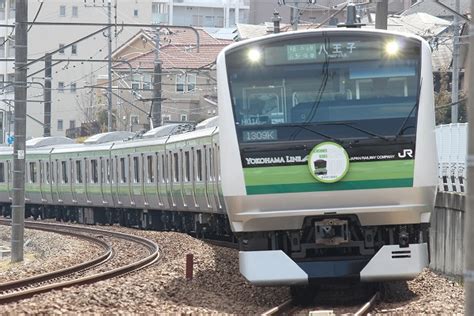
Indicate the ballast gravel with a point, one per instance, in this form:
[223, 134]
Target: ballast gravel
[44, 252]
[217, 288]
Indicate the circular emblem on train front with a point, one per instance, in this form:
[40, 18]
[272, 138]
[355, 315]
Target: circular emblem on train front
[328, 162]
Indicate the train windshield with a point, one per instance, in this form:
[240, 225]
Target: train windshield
[364, 80]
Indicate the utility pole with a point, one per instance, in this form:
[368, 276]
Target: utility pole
[469, 219]
[47, 95]
[156, 103]
[21, 59]
[381, 14]
[295, 16]
[109, 87]
[455, 70]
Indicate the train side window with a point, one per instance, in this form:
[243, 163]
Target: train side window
[108, 170]
[199, 164]
[48, 175]
[64, 171]
[2, 172]
[41, 171]
[33, 172]
[136, 170]
[149, 166]
[102, 170]
[78, 171]
[94, 171]
[123, 175]
[187, 173]
[175, 167]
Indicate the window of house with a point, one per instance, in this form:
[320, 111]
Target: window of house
[134, 120]
[64, 171]
[2, 81]
[94, 171]
[136, 170]
[10, 82]
[136, 78]
[2, 46]
[180, 82]
[191, 82]
[2, 9]
[11, 46]
[73, 87]
[78, 171]
[166, 118]
[123, 175]
[72, 124]
[61, 48]
[12, 6]
[183, 118]
[75, 11]
[135, 12]
[61, 87]
[62, 10]
[74, 49]
[149, 165]
[147, 81]
[60, 125]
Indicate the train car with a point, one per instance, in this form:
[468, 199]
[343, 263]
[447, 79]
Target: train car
[328, 154]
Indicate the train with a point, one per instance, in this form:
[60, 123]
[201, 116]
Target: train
[322, 163]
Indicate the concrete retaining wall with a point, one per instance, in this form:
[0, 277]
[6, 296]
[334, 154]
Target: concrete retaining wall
[446, 234]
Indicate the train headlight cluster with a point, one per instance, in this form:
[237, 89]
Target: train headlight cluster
[392, 48]
[254, 55]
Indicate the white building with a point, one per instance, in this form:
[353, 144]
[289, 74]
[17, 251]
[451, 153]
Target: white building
[72, 96]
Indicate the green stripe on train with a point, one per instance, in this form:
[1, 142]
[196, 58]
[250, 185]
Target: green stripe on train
[318, 186]
[361, 175]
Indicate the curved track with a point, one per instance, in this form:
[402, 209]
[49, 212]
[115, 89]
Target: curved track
[15, 290]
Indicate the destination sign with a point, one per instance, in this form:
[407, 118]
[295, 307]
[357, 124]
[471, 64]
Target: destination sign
[260, 135]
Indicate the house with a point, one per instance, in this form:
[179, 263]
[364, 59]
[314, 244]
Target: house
[188, 79]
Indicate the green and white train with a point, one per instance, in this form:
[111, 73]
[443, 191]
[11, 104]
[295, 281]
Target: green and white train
[323, 164]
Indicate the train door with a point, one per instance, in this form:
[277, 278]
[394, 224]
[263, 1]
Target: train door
[131, 179]
[192, 175]
[148, 178]
[72, 167]
[209, 177]
[42, 181]
[117, 177]
[87, 178]
[181, 176]
[170, 179]
[57, 171]
[188, 178]
[101, 179]
[200, 178]
[217, 177]
[159, 177]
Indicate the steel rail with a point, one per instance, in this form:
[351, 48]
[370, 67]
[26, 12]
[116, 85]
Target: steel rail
[367, 306]
[153, 257]
[104, 257]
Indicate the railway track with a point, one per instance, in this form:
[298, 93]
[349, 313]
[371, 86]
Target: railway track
[289, 308]
[19, 289]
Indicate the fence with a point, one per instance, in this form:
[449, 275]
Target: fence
[451, 142]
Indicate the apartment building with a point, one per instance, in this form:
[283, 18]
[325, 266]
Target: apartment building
[201, 13]
[77, 68]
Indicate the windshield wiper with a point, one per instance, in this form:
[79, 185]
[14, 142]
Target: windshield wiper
[305, 127]
[356, 128]
[400, 130]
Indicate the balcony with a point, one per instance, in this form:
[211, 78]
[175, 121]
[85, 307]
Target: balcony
[158, 18]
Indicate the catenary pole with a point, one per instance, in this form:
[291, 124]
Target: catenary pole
[455, 71]
[18, 202]
[381, 14]
[47, 95]
[109, 86]
[156, 103]
[469, 220]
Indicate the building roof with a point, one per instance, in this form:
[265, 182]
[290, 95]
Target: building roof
[432, 8]
[178, 49]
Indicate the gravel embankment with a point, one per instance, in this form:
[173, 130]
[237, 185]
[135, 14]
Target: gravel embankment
[45, 252]
[162, 288]
[217, 288]
[429, 293]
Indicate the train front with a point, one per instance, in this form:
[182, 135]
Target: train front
[328, 155]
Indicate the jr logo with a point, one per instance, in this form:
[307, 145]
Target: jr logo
[406, 153]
